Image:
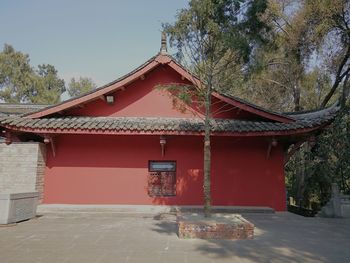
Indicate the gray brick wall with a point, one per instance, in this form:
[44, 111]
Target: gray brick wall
[22, 167]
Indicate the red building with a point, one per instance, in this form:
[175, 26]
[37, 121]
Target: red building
[129, 143]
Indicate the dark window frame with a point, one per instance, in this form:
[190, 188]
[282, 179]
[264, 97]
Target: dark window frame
[160, 172]
[162, 161]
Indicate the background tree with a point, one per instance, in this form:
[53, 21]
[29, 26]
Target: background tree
[328, 36]
[81, 86]
[20, 82]
[212, 37]
[306, 66]
[280, 71]
[49, 86]
[17, 77]
[329, 32]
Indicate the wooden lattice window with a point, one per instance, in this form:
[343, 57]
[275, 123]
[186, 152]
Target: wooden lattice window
[162, 178]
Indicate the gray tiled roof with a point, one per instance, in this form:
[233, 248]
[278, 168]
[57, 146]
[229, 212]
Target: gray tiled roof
[148, 124]
[20, 108]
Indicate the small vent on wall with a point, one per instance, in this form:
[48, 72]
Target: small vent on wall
[110, 99]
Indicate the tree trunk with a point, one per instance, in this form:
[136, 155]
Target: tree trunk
[296, 96]
[207, 165]
[338, 78]
[207, 155]
[345, 91]
[300, 176]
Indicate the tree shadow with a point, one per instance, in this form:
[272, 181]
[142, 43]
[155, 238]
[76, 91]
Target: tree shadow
[283, 237]
[166, 223]
[280, 237]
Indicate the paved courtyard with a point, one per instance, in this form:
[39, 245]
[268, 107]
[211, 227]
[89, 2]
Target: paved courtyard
[120, 237]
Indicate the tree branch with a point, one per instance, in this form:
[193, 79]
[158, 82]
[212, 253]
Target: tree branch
[275, 82]
[345, 92]
[338, 79]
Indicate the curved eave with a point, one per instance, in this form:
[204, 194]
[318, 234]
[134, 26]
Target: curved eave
[58, 131]
[303, 123]
[254, 109]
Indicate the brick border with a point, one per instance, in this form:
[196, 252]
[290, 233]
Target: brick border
[210, 229]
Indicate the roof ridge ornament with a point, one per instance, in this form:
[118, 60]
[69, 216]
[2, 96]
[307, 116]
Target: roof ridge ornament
[163, 47]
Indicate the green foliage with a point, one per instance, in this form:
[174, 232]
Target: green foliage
[20, 82]
[49, 86]
[306, 66]
[277, 70]
[307, 57]
[81, 86]
[315, 86]
[17, 77]
[329, 33]
[327, 162]
[215, 39]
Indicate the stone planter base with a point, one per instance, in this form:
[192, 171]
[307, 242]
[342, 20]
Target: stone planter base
[17, 207]
[218, 226]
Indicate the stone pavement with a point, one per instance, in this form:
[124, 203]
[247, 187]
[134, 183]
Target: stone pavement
[120, 237]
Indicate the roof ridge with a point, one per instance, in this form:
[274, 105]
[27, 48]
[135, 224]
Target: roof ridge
[24, 104]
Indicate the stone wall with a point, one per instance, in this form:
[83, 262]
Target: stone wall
[22, 167]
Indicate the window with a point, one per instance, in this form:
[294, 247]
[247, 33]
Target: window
[162, 166]
[162, 178]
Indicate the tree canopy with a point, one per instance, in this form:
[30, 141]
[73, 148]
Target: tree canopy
[80, 86]
[20, 82]
[17, 77]
[306, 64]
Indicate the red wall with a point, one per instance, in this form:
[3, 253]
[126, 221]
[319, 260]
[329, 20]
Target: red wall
[113, 170]
[142, 98]
[92, 169]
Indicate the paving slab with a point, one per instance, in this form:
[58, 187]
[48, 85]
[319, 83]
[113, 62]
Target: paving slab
[113, 237]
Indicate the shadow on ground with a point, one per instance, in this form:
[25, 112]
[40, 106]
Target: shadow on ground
[280, 237]
[165, 223]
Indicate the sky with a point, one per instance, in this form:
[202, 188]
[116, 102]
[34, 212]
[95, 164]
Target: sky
[101, 39]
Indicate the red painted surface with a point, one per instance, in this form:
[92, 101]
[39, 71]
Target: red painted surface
[112, 169]
[96, 169]
[158, 63]
[142, 98]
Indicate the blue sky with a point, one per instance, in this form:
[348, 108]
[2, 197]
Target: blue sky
[100, 39]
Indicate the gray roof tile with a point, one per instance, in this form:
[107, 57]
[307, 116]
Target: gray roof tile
[148, 124]
[20, 108]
